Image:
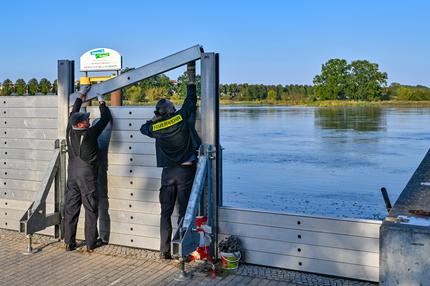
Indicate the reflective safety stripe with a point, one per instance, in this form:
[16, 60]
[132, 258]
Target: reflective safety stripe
[167, 123]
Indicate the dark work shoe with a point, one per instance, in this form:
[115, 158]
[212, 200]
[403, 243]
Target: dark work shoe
[165, 256]
[70, 246]
[99, 242]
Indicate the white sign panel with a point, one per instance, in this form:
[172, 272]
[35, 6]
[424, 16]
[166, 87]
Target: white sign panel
[101, 59]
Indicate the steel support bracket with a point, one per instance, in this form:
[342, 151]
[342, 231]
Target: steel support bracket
[35, 218]
[186, 239]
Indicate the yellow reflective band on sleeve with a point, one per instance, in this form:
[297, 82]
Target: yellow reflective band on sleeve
[167, 123]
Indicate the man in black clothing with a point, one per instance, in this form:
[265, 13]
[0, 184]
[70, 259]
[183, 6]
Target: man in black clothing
[82, 172]
[176, 144]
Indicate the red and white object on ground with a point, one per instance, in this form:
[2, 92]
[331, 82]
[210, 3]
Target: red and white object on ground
[203, 250]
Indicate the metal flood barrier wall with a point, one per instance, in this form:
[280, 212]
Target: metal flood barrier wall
[129, 207]
[129, 180]
[338, 247]
[28, 130]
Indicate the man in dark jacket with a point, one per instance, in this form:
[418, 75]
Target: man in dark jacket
[176, 144]
[82, 172]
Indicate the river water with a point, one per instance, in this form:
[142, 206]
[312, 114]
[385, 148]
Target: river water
[320, 161]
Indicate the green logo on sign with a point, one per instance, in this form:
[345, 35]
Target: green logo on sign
[101, 55]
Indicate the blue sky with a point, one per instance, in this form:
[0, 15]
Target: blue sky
[267, 42]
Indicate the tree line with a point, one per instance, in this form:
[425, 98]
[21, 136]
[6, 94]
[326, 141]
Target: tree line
[359, 80]
[33, 87]
[408, 93]
[158, 87]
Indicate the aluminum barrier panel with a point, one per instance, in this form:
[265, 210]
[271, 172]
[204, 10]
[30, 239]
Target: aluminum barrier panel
[331, 246]
[129, 180]
[28, 130]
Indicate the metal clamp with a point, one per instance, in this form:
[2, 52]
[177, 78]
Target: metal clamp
[208, 150]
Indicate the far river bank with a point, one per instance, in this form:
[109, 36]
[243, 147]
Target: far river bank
[321, 103]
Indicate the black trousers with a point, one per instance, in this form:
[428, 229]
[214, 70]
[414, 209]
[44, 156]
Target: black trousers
[176, 184]
[81, 189]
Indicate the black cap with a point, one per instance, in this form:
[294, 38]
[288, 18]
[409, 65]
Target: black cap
[77, 117]
[164, 106]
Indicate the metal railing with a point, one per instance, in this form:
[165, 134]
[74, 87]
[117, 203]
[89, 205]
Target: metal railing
[35, 218]
[187, 238]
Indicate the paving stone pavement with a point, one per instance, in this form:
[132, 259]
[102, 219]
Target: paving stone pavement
[116, 265]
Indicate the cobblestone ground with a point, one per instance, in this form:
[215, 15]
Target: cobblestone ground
[117, 265]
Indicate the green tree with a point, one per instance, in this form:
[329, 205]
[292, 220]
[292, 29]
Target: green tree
[233, 90]
[7, 87]
[280, 92]
[415, 93]
[55, 87]
[367, 81]
[45, 86]
[33, 86]
[156, 93]
[134, 94]
[333, 80]
[243, 93]
[271, 96]
[360, 80]
[295, 92]
[20, 87]
[180, 89]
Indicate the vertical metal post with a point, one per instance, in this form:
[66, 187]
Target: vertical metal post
[57, 194]
[219, 194]
[66, 79]
[210, 134]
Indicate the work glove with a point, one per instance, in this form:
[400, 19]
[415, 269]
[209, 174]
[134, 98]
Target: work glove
[100, 98]
[83, 90]
[191, 72]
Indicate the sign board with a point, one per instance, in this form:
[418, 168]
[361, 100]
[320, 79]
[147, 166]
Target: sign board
[101, 59]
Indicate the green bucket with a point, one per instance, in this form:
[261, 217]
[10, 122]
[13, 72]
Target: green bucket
[230, 260]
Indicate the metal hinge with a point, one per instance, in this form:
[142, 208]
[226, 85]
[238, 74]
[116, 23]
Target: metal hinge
[63, 146]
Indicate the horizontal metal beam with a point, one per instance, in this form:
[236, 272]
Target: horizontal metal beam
[15, 133]
[29, 112]
[268, 233]
[134, 171]
[29, 101]
[160, 66]
[6, 164]
[320, 252]
[353, 227]
[346, 270]
[131, 148]
[28, 144]
[130, 112]
[26, 154]
[29, 123]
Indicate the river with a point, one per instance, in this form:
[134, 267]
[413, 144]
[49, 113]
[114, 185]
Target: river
[320, 161]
